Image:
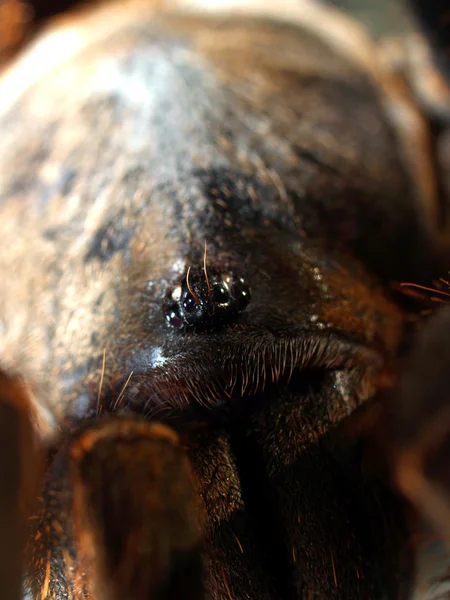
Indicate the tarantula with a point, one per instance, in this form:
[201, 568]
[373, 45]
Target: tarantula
[206, 215]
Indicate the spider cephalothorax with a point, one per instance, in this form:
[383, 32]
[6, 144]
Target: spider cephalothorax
[177, 429]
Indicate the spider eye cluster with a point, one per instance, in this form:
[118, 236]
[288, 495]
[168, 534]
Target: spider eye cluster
[206, 300]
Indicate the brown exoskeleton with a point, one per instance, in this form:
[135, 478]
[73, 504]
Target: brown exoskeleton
[202, 213]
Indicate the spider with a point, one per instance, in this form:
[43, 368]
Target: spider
[207, 212]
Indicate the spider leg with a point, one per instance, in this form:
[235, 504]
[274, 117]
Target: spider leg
[120, 519]
[236, 562]
[19, 468]
[323, 500]
[291, 515]
[423, 424]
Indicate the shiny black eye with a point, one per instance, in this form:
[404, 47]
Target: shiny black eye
[241, 293]
[220, 294]
[174, 319]
[189, 303]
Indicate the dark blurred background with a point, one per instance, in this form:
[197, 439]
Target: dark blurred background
[381, 17]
